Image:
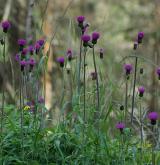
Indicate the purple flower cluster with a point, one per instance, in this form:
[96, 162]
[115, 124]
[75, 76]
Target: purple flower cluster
[23, 57]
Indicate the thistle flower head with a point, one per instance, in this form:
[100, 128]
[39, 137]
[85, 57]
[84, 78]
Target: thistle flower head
[24, 52]
[37, 47]
[153, 116]
[140, 37]
[23, 63]
[69, 54]
[60, 60]
[40, 42]
[120, 126]
[141, 91]
[158, 72]
[80, 19]
[31, 49]
[135, 46]
[17, 57]
[32, 61]
[128, 68]
[85, 38]
[22, 42]
[6, 26]
[95, 37]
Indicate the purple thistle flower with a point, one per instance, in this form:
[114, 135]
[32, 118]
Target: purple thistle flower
[21, 43]
[31, 63]
[37, 47]
[94, 75]
[140, 37]
[69, 54]
[101, 53]
[31, 49]
[41, 42]
[23, 63]
[135, 46]
[60, 60]
[141, 91]
[80, 19]
[128, 68]
[85, 38]
[120, 126]
[6, 26]
[24, 52]
[95, 37]
[153, 116]
[17, 57]
[158, 72]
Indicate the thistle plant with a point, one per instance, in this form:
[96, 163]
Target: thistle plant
[139, 41]
[128, 69]
[5, 26]
[80, 20]
[153, 117]
[95, 37]
[141, 91]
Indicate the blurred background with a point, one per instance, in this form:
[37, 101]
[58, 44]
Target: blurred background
[55, 20]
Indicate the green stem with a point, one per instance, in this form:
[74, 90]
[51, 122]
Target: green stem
[3, 100]
[153, 154]
[79, 69]
[97, 90]
[141, 131]
[126, 101]
[134, 85]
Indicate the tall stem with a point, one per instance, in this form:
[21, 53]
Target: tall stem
[84, 100]
[79, 69]
[84, 89]
[153, 154]
[97, 88]
[134, 85]
[21, 109]
[126, 101]
[3, 100]
[141, 131]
